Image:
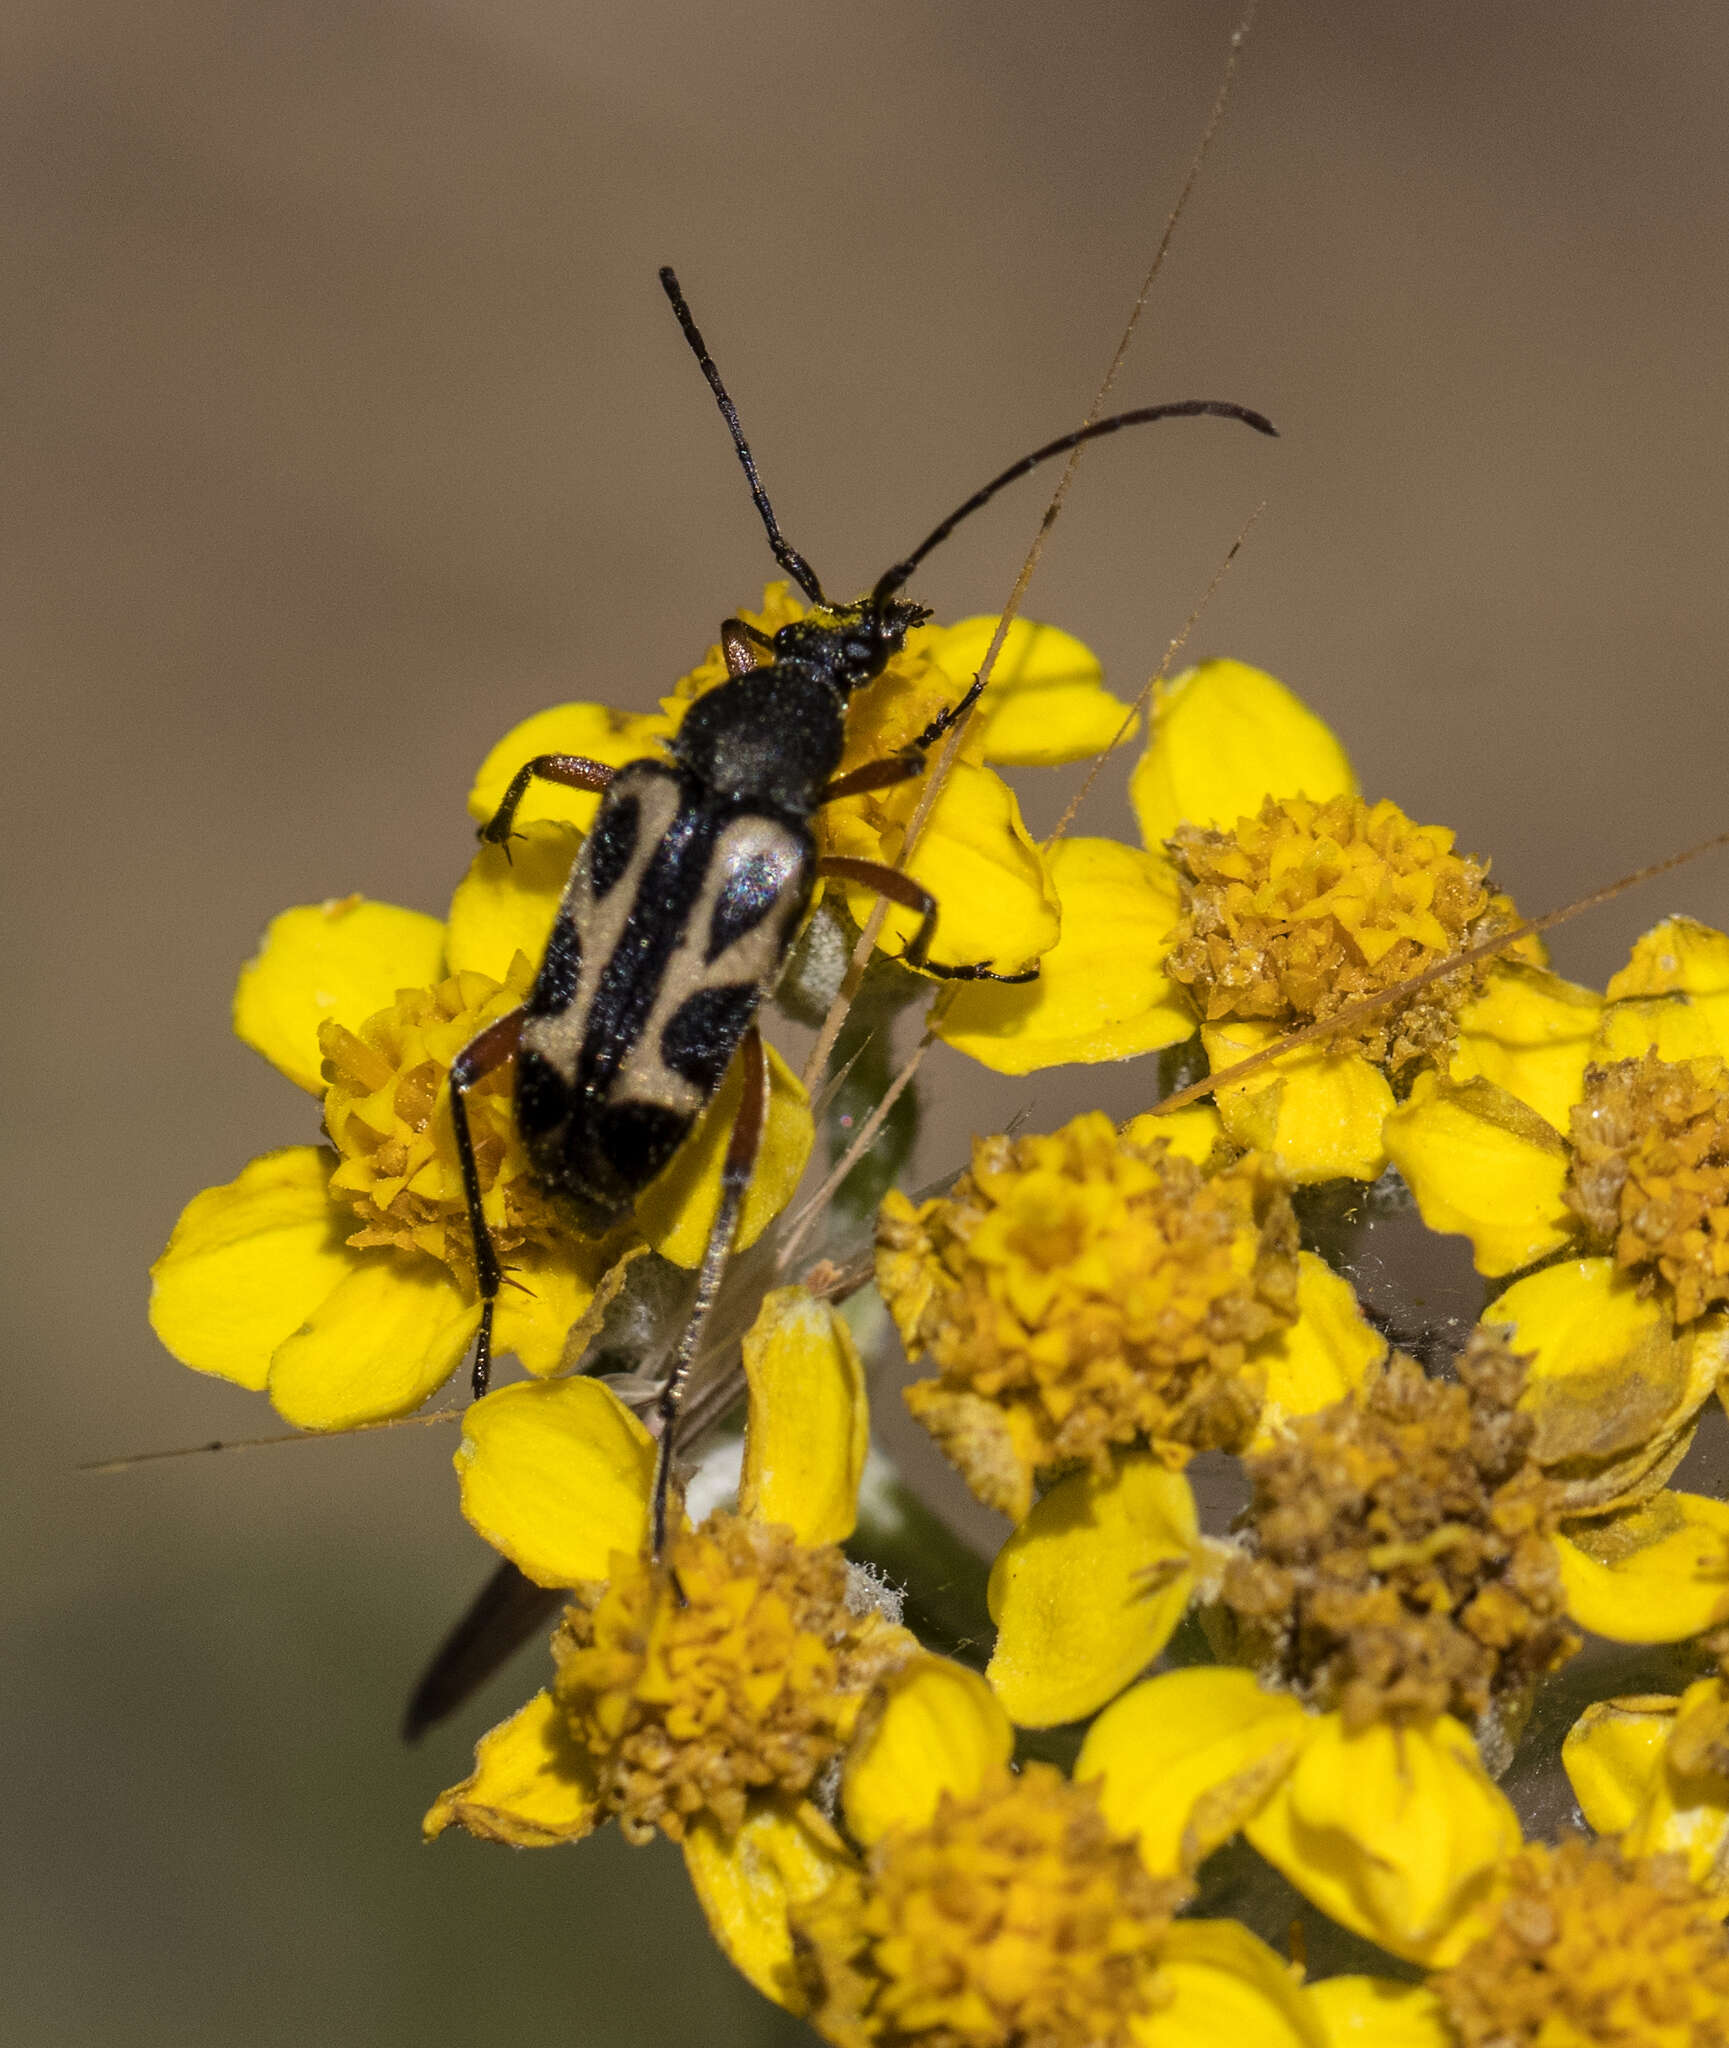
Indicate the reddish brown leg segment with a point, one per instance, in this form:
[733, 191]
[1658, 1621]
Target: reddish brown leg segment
[572, 771]
[900, 888]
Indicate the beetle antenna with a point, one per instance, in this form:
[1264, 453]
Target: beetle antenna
[785, 553]
[1186, 408]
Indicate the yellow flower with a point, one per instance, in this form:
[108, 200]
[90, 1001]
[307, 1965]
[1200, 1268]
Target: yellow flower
[1652, 1771]
[1045, 704]
[1085, 1295]
[1398, 1561]
[689, 1692]
[1566, 1123]
[979, 1909]
[1585, 1947]
[1404, 1571]
[340, 1278]
[1224, 736]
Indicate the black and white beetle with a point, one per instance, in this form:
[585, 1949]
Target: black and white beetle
[686, 897]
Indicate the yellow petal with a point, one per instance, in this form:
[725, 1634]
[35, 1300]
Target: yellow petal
[594, 730]
[747, 1881]
[248, 1263]
[1396, 1833]
[1672, 997]
[1225, 1985]
[1373, 2012]
[532, 1785]
[344, 959]
[1193, 1133]
[1613, 1756]
[804, 1449]
[1607, 1373]
[995, 903]
[556, 1476]
[395, 1329]
[1686, 1810]
[1102, 993]
[1046, 701]
[678, 1211]
[1483, 1163]
[507, 901]
[545, 1295]
[1184, 1759]
[1087, 1590]
[1652, 1574]
[1224, 736]
[1318, 1114]
[938, 1728]
[1530, 1033]
[1322, 1356]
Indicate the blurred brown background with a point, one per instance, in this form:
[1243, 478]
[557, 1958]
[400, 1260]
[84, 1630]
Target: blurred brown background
[346, 425]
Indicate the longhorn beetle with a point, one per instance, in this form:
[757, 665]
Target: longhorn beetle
[686, 897]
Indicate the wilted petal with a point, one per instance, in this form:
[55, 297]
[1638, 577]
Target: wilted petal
[1608, 1375]
[532, 1785]
[1672, 997]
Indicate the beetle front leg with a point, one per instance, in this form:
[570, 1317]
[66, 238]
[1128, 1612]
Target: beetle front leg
[739, 642]
[899, 887]
[910, 761]
[494, 1048]
[570, 771]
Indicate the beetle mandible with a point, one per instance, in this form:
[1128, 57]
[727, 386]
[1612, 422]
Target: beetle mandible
[686, 896]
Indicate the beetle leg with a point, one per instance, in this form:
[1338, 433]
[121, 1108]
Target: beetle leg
[900, 888]
[739, 643]
[903, 766]
[736, 1169]
[573, 771]
[493, 1048]
[945, 721]
[874, 775]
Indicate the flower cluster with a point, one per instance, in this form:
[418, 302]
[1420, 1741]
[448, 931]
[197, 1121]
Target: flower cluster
[1019, 1844]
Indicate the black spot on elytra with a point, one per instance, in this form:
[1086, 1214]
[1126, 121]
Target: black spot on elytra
[542, 1099]
[612, 842]
[703, 1032]
[638, 1138]
[555, 985]
[746, 897]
